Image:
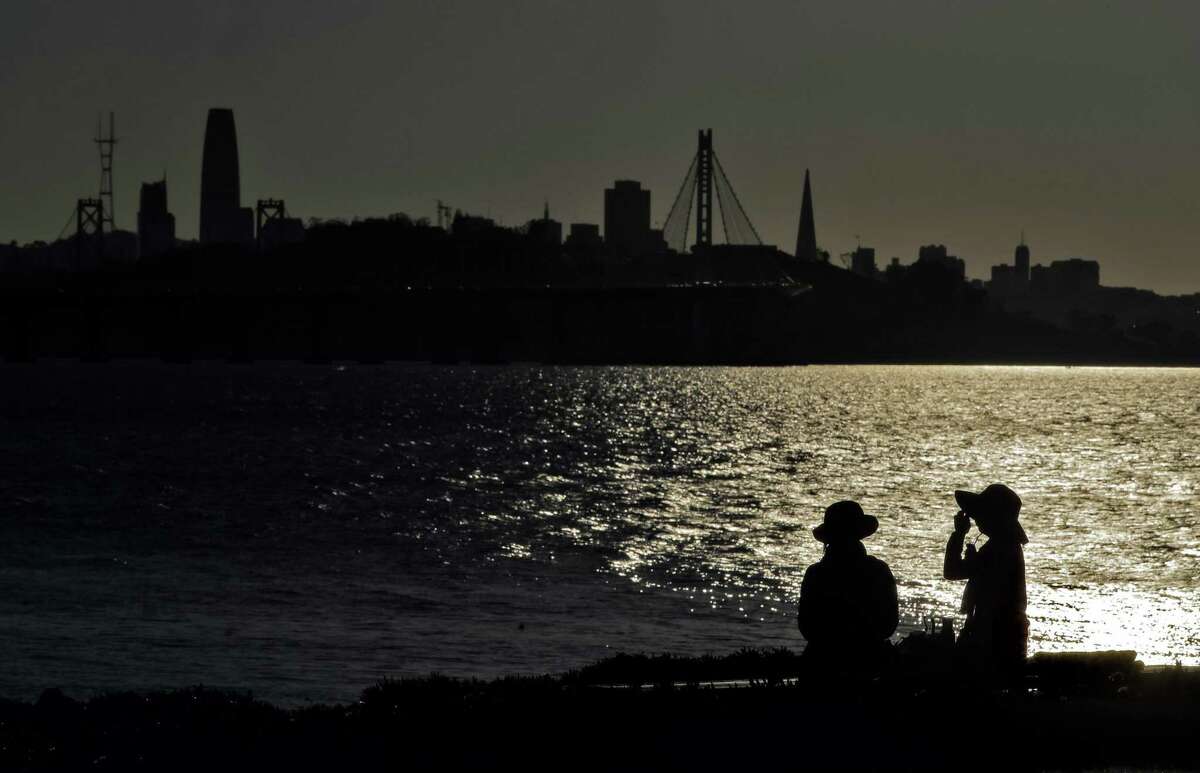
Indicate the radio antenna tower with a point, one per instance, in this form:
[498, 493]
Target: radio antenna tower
[106, 145]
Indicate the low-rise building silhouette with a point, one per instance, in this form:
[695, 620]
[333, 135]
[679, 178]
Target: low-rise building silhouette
[281, 231]
[1065, 277]
[9, 256]
[545, 232]
[656, 243]
[585, 235]
[935, 255]
[862, 262]
[120, 248]
[583, 241]
[467, 225]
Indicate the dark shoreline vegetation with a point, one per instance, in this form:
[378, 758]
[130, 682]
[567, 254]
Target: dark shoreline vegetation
[397, 289]
[642, 713]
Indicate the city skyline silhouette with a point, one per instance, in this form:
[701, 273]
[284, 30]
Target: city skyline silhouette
[632, 384]
[956, 126]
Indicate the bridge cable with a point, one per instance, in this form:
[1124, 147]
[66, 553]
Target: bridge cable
[737, 202]
[672, 233]
[721, 207]
[70, 217]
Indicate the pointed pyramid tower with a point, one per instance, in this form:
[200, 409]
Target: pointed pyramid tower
[806, 239]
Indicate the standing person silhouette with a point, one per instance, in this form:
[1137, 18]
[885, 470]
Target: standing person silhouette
[848, 607]
[995, 635]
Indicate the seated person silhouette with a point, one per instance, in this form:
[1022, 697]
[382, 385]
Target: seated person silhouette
[848, 607]
[995, 635]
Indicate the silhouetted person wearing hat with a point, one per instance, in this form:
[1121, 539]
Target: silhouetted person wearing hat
[848, 607]
[996, 634]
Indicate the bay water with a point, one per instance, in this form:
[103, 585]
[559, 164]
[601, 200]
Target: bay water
[301, 531]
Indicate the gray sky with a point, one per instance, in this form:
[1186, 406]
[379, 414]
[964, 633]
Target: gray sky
[953, 122]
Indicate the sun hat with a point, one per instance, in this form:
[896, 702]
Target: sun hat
[845, 520]
[995, 509]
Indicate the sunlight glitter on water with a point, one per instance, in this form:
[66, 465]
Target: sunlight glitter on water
[640, 509]
[1094, 467]
[1115, 620]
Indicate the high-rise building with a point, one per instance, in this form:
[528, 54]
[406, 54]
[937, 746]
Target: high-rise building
[1021, 263]
[862, 262]
[1012, 280]
[806, 238]
[627, 218]
[223, 219]
[156, 225]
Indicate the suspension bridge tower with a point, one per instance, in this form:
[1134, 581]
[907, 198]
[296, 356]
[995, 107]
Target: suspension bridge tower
[704, 168]
[89, 230]
[705, 177]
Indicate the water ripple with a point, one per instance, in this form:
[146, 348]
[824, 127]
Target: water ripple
[329, 525]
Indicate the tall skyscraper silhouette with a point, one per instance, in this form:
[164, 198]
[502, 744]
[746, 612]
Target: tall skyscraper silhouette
[1021, 262]
[156, 224]
[806, 239]
[222, 217]
[627, 218]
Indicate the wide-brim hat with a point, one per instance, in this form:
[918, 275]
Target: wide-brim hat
[845, 521]
[995, 509]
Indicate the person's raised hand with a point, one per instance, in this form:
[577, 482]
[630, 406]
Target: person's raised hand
[962, 523]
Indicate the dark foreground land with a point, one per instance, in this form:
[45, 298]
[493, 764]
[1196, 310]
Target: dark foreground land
[677, 717]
